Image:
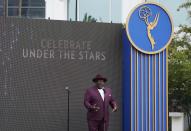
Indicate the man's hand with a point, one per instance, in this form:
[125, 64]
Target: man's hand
[114, 109]
[96, 108]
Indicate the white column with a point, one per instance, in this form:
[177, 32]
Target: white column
[127, 5]
[78, 11]
[56, 9]
[177, 121]
[110, 10]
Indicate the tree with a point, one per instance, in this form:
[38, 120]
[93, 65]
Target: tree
[180, 67]
[89, 18]
[180, 72]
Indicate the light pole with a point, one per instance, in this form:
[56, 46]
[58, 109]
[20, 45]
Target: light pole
[68, 108]
[77, 10]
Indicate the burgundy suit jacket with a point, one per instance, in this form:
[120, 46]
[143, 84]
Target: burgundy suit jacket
[92, 97]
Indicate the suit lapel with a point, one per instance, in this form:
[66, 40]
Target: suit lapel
[105, 94]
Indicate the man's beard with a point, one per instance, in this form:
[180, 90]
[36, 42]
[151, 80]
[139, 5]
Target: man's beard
[100, 86]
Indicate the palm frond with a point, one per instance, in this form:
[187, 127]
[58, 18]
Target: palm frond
[89, 18]
[185, 5]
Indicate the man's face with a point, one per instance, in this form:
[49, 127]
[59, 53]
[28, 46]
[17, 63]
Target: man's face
[100, 84]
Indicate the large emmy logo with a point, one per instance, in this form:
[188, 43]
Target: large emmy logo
[149, 28]
[144, 14]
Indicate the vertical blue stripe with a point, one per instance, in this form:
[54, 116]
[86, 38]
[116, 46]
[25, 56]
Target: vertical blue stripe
[138, 94]
[135, 95]
[126, 89]
[164, 95]
[147, 91]
[157, 93]
[150, 95]
[143, 93]
[154, 88]
[161, 92]
[133, 91]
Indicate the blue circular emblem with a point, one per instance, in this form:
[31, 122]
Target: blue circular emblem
[149, 28]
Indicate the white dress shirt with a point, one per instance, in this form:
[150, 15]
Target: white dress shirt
[101, 91]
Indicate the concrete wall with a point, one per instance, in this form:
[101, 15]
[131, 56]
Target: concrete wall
[177, 119]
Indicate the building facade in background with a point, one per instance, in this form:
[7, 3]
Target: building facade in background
[104, 11]
[26, 8]
[23, 8]
[1, 7]
[107, 11]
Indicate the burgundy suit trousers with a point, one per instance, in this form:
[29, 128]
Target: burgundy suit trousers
[97, 125]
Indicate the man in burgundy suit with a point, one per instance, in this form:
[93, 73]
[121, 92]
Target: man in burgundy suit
[97, 100]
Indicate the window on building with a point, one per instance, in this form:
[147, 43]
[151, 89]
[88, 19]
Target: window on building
[26, 8]
[1, 7]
